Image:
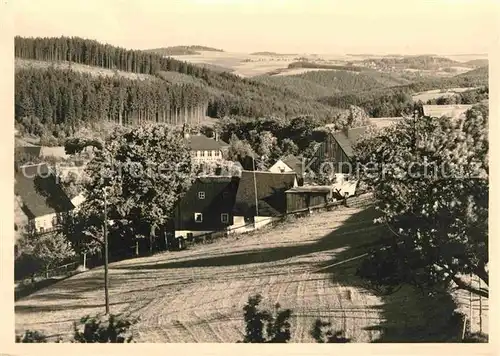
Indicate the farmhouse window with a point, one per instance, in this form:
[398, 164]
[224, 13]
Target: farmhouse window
[198, 217]
[202, 153]
[224, 217]
[201, 195]
[209, 153]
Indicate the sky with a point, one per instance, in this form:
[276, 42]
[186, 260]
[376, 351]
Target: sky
[285, 26]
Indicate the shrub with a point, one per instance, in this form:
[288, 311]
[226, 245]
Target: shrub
[321, 335]
[476, 338]
[103, 329]
[31, 336]
[263, 326]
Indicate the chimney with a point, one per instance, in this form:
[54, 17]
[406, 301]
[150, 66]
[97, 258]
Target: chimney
[345, 130]
[216, 136]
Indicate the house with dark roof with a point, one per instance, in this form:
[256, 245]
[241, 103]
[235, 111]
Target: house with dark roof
[261, 198]
[204, 149]
[41, 198]
[337, 149]
[289, 163]
[206, 207]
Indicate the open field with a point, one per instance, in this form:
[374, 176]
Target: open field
[437, 93]
[81, 68]
[197, 295]
[296, 71]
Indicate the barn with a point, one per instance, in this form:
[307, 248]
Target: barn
[307, 197]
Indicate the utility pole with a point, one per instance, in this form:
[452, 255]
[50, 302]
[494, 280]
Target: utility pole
[480, 309]
[255, 188]
[470, 305]
[106, 279]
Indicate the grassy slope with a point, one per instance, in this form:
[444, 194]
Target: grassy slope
[197, 295]
[81, 68]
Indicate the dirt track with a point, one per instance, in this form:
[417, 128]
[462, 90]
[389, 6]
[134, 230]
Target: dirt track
[197, 295]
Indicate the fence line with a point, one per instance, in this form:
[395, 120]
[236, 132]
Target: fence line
[271, 221]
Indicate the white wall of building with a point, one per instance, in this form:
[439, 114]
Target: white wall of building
[46, 222]
[207, 156]
[240, 226]
[280, 167]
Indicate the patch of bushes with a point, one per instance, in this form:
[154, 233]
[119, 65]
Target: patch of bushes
[91, 329]
[31, 336]
[264, 326]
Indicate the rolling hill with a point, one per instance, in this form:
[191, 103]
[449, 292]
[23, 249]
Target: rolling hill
[267, 53]
[316, 84]
[182, 50]
[421, 62]
[94, 82]
[391, 101]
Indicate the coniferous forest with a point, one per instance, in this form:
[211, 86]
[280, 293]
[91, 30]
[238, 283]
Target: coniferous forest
[63, 99]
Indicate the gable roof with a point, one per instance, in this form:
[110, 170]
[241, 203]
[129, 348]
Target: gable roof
[271, 195]
[203, 143]
[39, 191]
[294, 163]
[347, 138]
[33, 151]
[452, 111]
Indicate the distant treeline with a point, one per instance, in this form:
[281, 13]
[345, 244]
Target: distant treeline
[228, 94]
[394, 101]
[182, 50]
[304, 64]
[423, 62]
[467, 97]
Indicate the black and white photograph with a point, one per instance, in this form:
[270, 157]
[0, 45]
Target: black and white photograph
[250, 171]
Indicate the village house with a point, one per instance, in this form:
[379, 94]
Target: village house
[40, 152]
[336, 152]
[288, 164]
[261, 199]
[206, 207]
[204, 149]
[41, 201]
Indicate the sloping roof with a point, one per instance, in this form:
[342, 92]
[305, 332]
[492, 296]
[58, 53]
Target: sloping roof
[33, 151]
[452, 111]
[223, 144]
[77, 200]
[39, 191]
[271, 188]
[383, 122]
[202, 142]
[294, 163]
[311, 189]
[347, 139]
